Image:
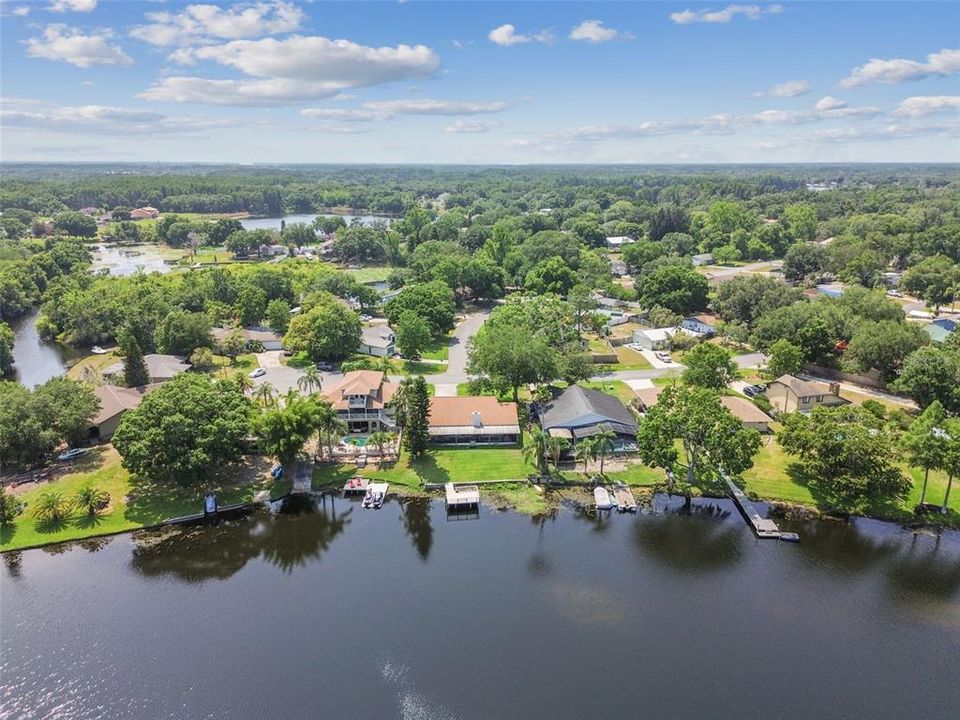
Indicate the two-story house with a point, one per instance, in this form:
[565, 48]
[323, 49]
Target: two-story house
[378, 340]
[791, 394]
[361, 400]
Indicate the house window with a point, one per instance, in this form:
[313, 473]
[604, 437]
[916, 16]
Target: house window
[804, 400]
[819, 398]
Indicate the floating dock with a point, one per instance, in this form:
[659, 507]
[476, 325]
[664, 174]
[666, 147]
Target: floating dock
[762, 526]
[625, 500]
[465, 496]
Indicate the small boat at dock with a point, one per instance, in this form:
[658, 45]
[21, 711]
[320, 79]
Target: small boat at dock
[602, 498]
[376, 494]
[97, 350]
[789, 537]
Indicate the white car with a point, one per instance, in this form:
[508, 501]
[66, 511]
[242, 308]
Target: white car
[259, 372]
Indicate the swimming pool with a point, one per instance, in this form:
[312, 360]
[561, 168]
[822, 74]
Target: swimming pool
[358, 440]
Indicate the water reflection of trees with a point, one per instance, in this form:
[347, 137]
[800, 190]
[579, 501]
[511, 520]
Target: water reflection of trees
[691, 538]
[416, 522]
[301, 532]
[928, 568]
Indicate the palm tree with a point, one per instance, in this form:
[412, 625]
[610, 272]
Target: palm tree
[400, 401]
[244, 381]
[537, 449]
[311, 381]
[330, 423]
[380, 439]
[585, 451]
[91, 499]
[603, 443]
[53, 506]
[264, 394]
[556, 446]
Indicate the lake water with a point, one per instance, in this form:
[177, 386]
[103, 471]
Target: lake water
[36, 360]
[127, 260]
[273, 223]
[331, 611]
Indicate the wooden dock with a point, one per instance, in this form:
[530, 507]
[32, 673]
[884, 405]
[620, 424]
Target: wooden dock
[356, 486]
[625, 500]
[763, 527]
[465, 496]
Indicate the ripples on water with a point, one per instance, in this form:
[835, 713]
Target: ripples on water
[327, 610]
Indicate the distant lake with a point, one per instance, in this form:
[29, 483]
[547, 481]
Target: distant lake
[330, 611]
[273, 223]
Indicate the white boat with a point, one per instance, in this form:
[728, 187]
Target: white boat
[97, 350]
[602, 498]
[376, 494]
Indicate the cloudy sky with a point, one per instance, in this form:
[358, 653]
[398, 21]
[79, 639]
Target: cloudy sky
[432, 82]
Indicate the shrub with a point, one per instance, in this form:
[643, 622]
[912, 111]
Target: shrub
[92, 499]
[53, 506]
[875, 407]
[10, 507]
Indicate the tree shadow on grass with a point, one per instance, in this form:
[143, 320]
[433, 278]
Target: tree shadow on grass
[50, 527]
[429, 471]
[827, 500]
[6, 534]
[88, 521]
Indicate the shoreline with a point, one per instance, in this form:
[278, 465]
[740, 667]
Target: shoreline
[496, 499]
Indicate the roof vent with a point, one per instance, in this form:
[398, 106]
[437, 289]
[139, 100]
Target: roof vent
[476, 419]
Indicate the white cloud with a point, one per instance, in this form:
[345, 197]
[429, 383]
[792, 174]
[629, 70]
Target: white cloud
[943, 63]
[62, 6]
[21, 11]
[292, 70]
[829, 103]
[753, 12]
[506, 35]
[470, 126]
[593, 31]
[60, 42]
[922, 105]
[202, 23]
[386, 109]
[791, 88]
[99, 119]
[895, 131]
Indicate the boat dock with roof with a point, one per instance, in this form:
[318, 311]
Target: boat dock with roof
[464, 496]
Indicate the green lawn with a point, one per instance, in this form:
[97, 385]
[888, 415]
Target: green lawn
[370, 274]
[438, 350]
[97, 362]
[133, 503]
[437, 466]
[617, 388]
[629, 359]
[412, 367]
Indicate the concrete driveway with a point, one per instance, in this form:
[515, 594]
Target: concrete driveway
[281, 377]
[659, 364]
[456, 371]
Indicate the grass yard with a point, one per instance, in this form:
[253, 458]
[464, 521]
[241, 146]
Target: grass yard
[617, 388]
[96, 362]
[629, 359]
[373, 274]
[413, 367]
[133, 503]
[438, 350]
[439, 465]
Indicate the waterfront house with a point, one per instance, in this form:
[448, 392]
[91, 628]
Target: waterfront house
[362, 399]
[160, 368]
[578, 412]
[378, 340]
[114, 402]
[701, 324]
[749, 415]
[473, 420]
[791, 394]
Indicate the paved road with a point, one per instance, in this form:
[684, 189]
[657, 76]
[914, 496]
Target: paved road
[456, 371]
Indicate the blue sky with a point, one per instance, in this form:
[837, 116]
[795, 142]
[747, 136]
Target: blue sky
[444, 82]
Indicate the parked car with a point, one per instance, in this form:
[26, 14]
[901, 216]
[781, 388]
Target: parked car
[277, 472]
[366, 318]
[259, 372]
[324, 365]
[894, 293]
[663, 357]
[750, 391]
[72, 454]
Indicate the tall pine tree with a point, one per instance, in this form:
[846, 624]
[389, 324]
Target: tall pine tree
[416, 433]
[135, 371]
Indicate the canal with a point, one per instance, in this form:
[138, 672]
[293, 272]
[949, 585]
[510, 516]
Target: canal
[327, 610]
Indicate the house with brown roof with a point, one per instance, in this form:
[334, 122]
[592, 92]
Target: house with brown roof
[144, 213]
[266, 337]
[473, 420]
[791, 394]
[749, 415]
[160, 368]
[114, 402]
[362, 399]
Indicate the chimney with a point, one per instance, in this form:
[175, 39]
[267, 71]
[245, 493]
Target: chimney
[835, 388]
[477, 423]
